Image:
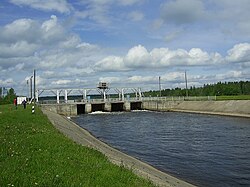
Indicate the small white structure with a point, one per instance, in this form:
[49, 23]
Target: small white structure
[20, 100]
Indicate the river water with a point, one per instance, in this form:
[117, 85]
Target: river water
[205, 150]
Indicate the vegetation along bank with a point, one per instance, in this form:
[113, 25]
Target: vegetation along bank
[34, 153]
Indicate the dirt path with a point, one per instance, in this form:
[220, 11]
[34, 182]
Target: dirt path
[83, 137]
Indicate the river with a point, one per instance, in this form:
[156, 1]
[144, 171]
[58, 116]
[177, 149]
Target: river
[205, 150]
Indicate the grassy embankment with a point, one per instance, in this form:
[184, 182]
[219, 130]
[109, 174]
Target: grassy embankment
[233, 97]
[34, 153]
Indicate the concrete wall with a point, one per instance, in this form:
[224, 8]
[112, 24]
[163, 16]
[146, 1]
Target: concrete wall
[63, 109]
[237, 107]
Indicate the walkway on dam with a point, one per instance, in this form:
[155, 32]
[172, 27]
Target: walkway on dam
[83, 137]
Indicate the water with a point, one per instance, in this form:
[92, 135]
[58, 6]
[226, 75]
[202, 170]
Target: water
[205, 150]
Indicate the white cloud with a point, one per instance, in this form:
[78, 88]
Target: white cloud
[61, 82]
[47, 5]
[174, 77]
[230, 75]
[140, 57]
[229, 18]
[32, 31]
[142, 79]
[52, 31]
[110, 63]
[7, 82]
[110, 79]
[45, 45]
[136, 16]
[18, 49]
[101, 12]
[240, 53]
[21, 29]
[137, 56]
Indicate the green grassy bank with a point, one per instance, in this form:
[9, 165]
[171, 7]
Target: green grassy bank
[233, 97]
[34, 153]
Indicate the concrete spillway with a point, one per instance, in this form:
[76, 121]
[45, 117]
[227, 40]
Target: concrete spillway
[234, 108]
[72, 109]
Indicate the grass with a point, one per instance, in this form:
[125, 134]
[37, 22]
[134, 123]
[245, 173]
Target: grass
[34, 153]
[233, 97]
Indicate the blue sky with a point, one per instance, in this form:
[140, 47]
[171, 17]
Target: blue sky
[128, 43]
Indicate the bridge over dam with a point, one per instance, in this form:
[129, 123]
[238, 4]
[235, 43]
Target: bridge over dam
[104, 98]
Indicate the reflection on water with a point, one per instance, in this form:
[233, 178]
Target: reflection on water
[205, 150]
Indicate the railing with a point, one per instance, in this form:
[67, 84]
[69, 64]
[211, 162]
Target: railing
[180, 98]
[169, 98]
[90, 100]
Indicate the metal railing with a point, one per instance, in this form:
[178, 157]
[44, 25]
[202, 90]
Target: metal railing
[90, 100]
[180, 98]
[133, 99]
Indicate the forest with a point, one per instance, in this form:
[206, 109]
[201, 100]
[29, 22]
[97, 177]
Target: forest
[218, 89]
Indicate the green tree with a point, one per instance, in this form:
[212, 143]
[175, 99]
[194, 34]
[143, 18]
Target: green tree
[9, 98]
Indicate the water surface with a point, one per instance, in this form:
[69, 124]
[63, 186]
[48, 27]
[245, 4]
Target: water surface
[205, 150]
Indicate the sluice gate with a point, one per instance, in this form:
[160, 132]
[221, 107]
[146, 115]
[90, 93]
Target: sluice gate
[73, 109]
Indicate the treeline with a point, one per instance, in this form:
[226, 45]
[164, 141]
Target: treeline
[226, 88]
[9, 97]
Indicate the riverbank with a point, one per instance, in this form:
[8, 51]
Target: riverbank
[34, 153]
[239, 108]
[83, 137]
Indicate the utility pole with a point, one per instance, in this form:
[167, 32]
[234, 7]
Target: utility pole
[31, 88]
[186, 84]
[160, 85]
[34, 85]
[28, 90]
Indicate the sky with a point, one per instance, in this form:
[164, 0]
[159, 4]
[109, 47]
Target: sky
[127, 43]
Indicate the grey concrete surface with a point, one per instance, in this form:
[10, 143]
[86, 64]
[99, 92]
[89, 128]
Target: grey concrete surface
[140, 168]
[240, 108]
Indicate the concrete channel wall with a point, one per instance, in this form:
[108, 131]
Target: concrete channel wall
[231, 107]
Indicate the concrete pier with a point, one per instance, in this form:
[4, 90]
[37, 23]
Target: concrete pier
[108, 107]
[127, 106]
[88, 108]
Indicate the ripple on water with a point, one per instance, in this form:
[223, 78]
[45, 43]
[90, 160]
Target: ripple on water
[206, 150]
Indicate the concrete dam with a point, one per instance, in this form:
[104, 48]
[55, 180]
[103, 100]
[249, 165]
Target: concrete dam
[123, 102]
[233, 108]
[73, 109]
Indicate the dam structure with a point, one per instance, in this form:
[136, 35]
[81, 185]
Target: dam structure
[104, 98]
[107, 99]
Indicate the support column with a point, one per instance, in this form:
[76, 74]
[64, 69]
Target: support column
[85, 95]
[119, 96]
[104, 95]
[140, 96]
[88, 108]
[122, 94]
[37, 94]
[126, 106]
[57, 97]
[66, 96]
[107, 107]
